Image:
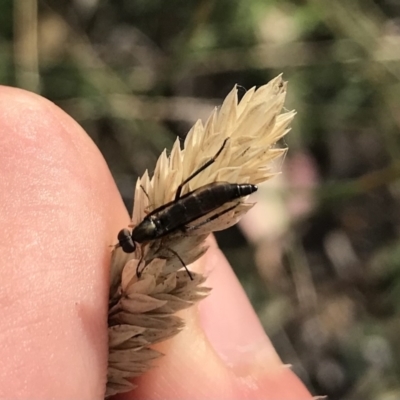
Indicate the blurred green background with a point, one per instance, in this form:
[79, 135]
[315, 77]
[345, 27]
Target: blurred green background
[322, 268]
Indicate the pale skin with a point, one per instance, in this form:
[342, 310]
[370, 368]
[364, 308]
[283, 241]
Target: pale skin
[60, 211]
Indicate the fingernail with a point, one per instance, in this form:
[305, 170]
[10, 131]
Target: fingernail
[229, 320]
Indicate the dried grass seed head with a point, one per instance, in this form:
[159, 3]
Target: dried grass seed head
[141, 311]
[252, 125]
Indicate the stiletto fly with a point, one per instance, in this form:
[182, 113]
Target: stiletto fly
[183, 210]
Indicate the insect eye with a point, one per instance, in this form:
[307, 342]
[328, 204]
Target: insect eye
[128, 246]
[125, 241]
[124, 235]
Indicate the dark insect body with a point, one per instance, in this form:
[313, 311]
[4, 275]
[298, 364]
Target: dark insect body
[178, 213]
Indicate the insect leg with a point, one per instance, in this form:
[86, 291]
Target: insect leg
[201, 169]
[144, 191]
[180, 259]
[138, 270]
[146, 210]
[212, 218]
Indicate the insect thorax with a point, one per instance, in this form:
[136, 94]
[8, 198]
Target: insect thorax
[145, 231]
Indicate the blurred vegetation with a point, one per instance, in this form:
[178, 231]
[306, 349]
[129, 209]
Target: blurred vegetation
[135, 74]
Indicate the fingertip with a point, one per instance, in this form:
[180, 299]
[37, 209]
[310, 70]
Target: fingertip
[211, 359]
[60, 211]
[229, 320]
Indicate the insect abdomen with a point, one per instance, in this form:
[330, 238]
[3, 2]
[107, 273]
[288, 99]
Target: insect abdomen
[198, 203]
[215, 195]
